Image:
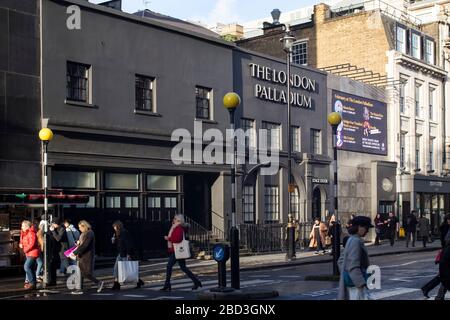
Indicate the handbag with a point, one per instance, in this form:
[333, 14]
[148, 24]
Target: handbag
[182, 250]
[68, 252]
[128, 271]
[348, 280]
[438, 257]
[401, 233]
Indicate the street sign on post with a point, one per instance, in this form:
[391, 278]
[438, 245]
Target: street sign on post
[221, 253]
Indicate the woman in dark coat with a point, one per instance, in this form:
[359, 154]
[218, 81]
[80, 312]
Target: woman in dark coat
[122, 239]
[85, 254]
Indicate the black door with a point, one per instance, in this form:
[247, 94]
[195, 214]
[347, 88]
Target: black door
[316, 204]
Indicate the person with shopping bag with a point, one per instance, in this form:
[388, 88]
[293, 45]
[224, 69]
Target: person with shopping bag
[124, 268]
[85, 255]
[354, 261]
[178, 248]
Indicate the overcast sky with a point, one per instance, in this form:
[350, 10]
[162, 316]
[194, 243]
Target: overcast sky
[212, 11]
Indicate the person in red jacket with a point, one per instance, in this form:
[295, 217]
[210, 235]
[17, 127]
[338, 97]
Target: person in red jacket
[30, 247]
[176, 234]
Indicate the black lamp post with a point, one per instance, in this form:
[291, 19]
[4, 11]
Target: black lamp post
[231, 101]
[334, 119]
[288, 40]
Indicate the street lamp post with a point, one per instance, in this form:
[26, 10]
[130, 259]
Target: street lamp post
[334, 119]
[45, 135]
[288, 41]
[231, 101]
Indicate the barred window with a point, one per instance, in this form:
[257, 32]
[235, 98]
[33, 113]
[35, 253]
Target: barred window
[248, 125]
[203, 102]
[295, 139]
[295, 204]
[78, 82]
[272, 129]
[271, 203]
[144, 93]
[300, 53]
[249, 204]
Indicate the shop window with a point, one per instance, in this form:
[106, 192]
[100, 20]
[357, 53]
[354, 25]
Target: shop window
[170, 202]
[165, 183]
[121, 181]
[73, 179]
[112, 202]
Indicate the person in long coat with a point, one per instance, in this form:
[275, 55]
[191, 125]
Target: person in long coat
[354, 262]
[318, 235]
[424, 229]
[85, 255]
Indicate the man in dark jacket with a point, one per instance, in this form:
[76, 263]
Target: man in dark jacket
[392, 227]
[411, 228]
[58, 232]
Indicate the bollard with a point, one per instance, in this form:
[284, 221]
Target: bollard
[221, 253]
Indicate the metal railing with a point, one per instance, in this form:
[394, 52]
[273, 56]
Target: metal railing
[385, 8]
[201, 238]
[265, 238]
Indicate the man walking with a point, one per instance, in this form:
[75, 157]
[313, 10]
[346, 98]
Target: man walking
[411, 228]
[392, 227]
[424, 229]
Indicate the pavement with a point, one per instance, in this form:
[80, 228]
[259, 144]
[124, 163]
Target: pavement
[153, 271]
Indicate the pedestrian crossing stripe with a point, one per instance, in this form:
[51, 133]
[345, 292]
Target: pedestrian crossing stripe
[211, 284]
[134, 296]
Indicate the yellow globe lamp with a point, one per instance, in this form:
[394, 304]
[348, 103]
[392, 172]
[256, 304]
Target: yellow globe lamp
[334, 119]
[231, 101]
[46, 134]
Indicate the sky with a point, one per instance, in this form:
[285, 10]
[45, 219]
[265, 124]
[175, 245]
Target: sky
[212, 11]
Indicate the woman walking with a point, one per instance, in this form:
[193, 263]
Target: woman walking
[354, 262]
[317, 236]
[176, 234]
[30, 247]
[445, 243]
[85, 254]
[124, 244]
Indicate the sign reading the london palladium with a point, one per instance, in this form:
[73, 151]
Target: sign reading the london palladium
[274, 94]
[364, 124]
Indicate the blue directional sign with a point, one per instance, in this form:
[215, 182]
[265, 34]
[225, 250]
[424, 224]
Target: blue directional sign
[219, 253]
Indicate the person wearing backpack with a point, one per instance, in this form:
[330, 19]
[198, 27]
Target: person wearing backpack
[122, 239]
[176, 235]
[354, 262]
[411, 228]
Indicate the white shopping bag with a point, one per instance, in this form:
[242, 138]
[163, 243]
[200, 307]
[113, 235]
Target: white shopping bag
[128, 271]
[182, 250]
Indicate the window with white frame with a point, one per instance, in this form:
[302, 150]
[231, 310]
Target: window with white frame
[273, 134]
[249, 204]
[418, 141]
[295, 204]
[271, 203]
[431, 103]
[316, 141]
[296, 139]
[429, 51]
[402, 150]
[300, 53]
[401, 39]
[415, 45]
[431, 155]
[248, 125]
[403, 83]
[417, 98]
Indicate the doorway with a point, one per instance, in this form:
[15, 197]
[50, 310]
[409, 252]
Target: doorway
[316, 204]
